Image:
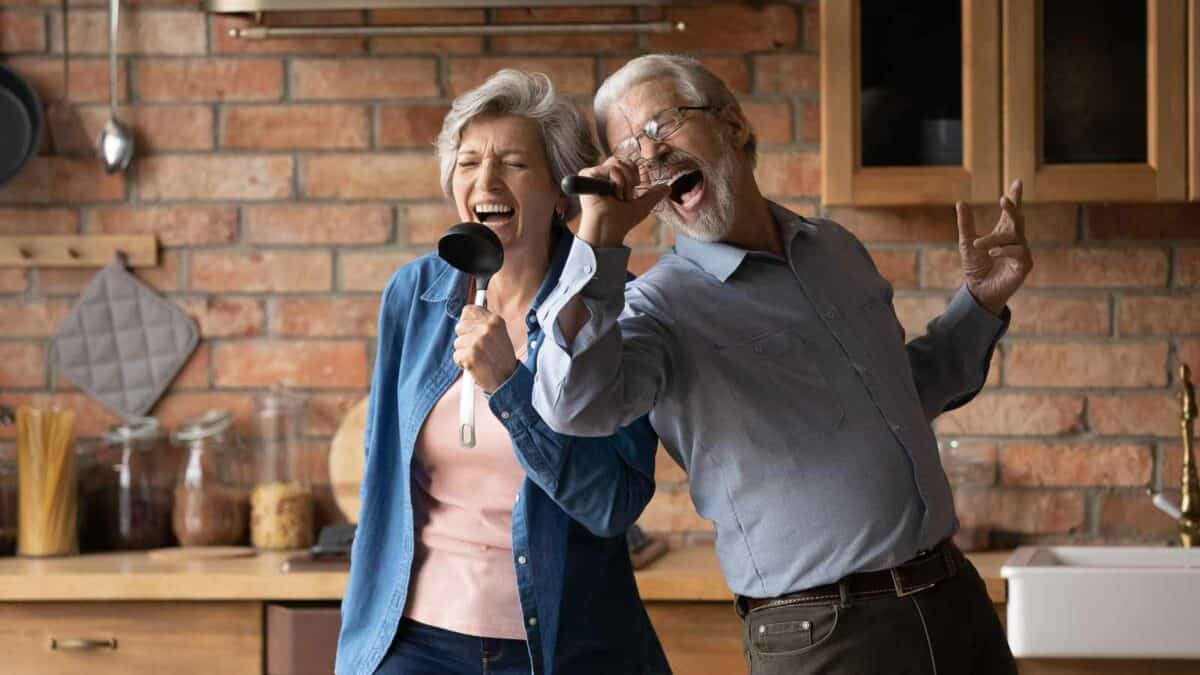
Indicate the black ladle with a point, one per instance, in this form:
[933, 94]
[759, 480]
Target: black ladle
[473, 249]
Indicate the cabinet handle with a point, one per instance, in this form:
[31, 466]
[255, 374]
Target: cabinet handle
[82, 644]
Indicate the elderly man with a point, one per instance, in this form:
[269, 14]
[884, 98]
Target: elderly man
[766, 349]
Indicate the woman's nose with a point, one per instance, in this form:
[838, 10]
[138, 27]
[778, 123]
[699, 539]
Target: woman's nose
[488, 177]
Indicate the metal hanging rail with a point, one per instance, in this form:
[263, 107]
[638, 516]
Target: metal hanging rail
[291, 32]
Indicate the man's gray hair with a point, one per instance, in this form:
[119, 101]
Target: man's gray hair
[695, 83]
[565, 133]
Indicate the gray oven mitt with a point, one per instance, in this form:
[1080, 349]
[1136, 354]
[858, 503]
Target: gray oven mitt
[123, 343]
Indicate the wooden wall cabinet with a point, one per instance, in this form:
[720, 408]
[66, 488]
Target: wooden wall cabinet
[1082, 100]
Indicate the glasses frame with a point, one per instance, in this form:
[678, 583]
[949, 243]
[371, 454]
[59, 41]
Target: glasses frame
[633, 144]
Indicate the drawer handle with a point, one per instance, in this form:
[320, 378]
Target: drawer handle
[82, 645]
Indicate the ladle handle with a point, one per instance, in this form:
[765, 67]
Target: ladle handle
[466, 406]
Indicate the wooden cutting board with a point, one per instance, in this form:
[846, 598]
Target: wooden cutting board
[346, 460]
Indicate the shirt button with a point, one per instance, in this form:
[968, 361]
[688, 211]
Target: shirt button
[533, 344]
[896, 428]
[518, 497]
[830, 314]
[521, 560]
[533, 621]
[504, 415]
[587, 269]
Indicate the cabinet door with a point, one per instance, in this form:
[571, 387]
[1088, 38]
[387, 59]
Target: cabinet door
[1193, 57]
[910, 101]
[1094, 99]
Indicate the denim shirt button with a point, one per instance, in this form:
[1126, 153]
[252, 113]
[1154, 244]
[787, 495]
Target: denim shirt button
[521, 560]
[504, 415]
[533, 621]
[533, 344]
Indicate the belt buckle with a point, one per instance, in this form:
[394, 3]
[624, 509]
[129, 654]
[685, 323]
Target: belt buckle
[901, 592]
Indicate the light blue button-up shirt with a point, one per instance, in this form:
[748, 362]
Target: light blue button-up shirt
[784, 388]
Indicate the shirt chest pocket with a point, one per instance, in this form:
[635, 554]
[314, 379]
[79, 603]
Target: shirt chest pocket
[781, 383]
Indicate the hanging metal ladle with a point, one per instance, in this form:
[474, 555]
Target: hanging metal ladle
[474, 249]
[114, 145]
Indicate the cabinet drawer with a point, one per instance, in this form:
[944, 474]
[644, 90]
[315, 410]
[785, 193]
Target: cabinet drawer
[131, 638]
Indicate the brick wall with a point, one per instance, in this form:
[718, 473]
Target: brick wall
[287, 179]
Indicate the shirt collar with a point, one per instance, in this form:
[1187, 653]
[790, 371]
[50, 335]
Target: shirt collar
[450, 285]
[721, 260]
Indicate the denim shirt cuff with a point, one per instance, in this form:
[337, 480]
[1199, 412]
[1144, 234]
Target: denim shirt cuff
[512, 402]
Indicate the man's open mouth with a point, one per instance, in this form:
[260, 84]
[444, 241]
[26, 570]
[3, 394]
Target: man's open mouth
[687, 188]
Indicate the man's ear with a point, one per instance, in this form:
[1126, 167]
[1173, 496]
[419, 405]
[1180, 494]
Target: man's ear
[739, 126]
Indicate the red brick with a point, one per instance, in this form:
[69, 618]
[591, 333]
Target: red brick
[787, 73]
[411, 126]
[223, 43]
[22, 364]
[1159, 315]
[13, 280]
[914, 311]
[424, 223]
[325, 317]
[1037, 512]
[162, 277]
[314, 224]
[363, 79]
[564, 43]
[1189, 353]
[1098, 267]
[1032, 364]
[194, 374]
[1135, 514]
[38, 221]
[1145, 222]
[22, 32]
[1187, 267]
[729, 27]
[31, 318]
[1044, 223]
[324, 412]
[89, 78]
[672, 511]
[156, 128]
[226, 316]
[772, 122]
[174, 225]
[1058, 315]
[58, 180]
[371, 271]
[916, 224]
[1134, 415]
[371, 176]
[320, 365]
[666, 471]
[445, 44]
[91, 418]
[812, 26]
[810, 122]
[292, 126]
[791, 174]
[260, 271]
[898, 266]
[1041, 465]
[157, 33]
[1015, 415]
[571, 75]
[214, 177]
[209, 79]
[178, 407]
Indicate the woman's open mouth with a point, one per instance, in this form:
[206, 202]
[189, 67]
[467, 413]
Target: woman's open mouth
[494, 214]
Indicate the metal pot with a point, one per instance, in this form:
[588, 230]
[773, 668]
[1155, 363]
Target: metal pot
[21, 119]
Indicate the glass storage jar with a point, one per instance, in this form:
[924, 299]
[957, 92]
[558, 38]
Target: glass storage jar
[126, 486]
[281, 507]
[210, 506]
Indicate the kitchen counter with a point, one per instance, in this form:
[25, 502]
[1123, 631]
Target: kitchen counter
[687, 575]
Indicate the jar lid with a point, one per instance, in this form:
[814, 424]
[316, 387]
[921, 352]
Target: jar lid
[280, 400]
[211, 423]
[133, 429]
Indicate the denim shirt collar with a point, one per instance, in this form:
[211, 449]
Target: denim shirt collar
[721, 260]
[450, 285]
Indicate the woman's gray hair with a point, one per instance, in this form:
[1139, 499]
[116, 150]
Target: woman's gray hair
[695, 83]
[565, 134]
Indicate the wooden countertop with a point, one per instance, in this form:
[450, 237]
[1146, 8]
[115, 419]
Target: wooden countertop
[689, 574]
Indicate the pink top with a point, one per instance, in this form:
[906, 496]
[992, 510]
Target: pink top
[463, 577]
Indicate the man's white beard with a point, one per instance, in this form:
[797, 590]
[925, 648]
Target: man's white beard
[715, 220]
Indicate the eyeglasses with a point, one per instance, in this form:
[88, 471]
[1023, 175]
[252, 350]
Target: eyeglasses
[658, 128]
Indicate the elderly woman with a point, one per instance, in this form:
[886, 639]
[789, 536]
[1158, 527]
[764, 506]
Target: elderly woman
[506, 557]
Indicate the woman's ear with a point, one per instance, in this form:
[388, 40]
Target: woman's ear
[560, 208]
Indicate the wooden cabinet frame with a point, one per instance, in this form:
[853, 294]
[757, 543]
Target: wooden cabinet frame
[1162, 177]
[1193, 57]
[844, 181]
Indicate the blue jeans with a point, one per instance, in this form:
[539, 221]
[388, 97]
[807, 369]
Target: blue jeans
[427, 650]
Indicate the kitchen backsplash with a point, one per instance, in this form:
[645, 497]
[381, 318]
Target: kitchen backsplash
[287, 179]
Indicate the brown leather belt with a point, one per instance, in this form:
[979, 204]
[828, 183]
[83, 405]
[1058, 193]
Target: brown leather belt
[914, 576]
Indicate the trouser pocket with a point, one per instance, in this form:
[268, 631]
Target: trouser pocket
[777, 639]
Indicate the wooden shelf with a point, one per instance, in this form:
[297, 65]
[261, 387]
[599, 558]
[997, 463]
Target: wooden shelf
[77, 250]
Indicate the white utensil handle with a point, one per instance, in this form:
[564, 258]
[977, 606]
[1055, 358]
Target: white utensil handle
[466, 406]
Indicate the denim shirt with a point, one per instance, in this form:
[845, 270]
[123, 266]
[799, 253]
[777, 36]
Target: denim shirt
[575, 582]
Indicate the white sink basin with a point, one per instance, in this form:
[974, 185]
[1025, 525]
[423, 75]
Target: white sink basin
[1104, 602]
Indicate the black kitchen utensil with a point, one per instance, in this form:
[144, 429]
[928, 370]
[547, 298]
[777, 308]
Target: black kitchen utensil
[582, 185]
[21, 122]
[474, 249]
